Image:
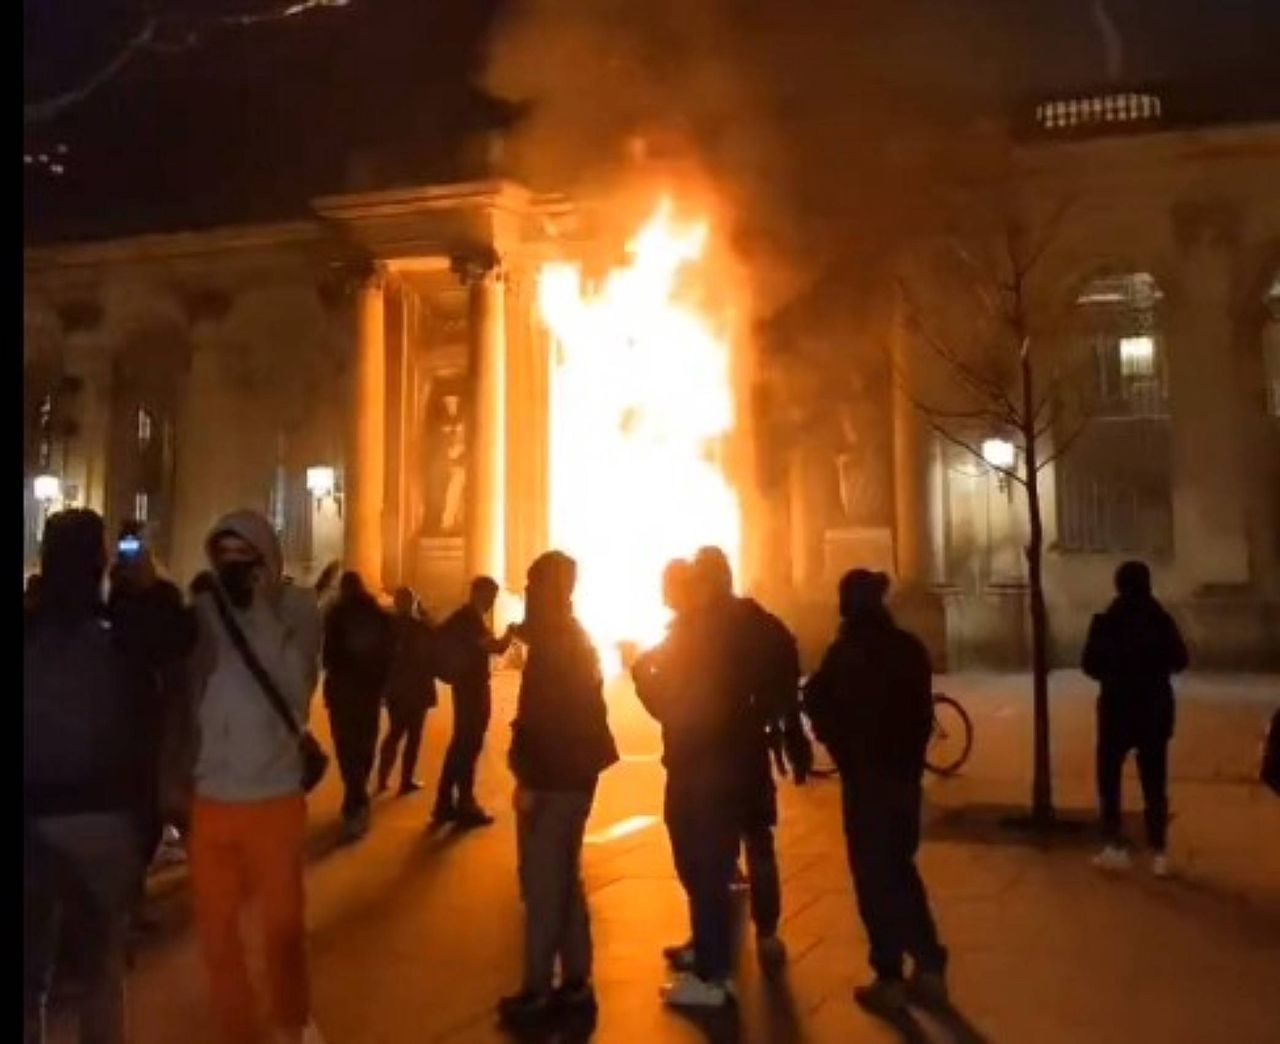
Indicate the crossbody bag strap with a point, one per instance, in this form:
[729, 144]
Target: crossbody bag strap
[251, 661]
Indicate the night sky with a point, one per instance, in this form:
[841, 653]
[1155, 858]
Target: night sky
[252, 122]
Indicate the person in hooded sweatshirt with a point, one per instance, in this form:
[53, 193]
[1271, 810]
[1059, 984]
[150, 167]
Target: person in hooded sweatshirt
[871, 705]
[1132, 651]
[560, 744]
[88, 771]
[248, 818]
[357, 661]
[769, 648]
[697, 683]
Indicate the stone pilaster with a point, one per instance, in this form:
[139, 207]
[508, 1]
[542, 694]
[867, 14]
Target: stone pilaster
[365, 478]
[485, 551]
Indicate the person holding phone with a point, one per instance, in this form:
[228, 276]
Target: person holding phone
[152, 608]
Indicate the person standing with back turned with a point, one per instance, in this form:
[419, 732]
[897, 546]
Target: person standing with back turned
[88, 771]
[465, 644]
[357, 658]
[871, 705]
[249, 817]
[1132, 650]
[410, 691]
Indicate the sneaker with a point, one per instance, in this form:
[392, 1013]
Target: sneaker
[1113, 857]
[469, 818]
[687, 990]
[1160, 865]
[929, 990]
[574, 998]
[680, 956]
[308, 1034]
[771, 951]
[524, 1008]
[411, 786]
[442, 814]
[882, 996]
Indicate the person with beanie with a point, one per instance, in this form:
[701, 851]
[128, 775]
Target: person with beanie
[871, 705]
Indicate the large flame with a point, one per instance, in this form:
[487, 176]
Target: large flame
[641, 409]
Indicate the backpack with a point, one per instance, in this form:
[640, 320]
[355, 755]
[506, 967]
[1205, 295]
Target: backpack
[448, 651]
[78, 718]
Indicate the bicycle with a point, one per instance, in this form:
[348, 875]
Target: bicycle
[950, 741]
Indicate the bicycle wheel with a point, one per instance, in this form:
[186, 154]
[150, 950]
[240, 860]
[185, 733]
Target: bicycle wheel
[951, 738]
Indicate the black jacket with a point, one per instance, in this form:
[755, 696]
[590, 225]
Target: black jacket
[698, 684]
[149, 637]
[358, 644]
[560, 738]
[871, 700]
[1132, 651]
[411, 683]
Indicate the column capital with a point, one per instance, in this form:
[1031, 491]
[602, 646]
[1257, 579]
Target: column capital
[474, 263]
[345, 277]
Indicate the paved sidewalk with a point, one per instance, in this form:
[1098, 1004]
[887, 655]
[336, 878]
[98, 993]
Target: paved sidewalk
[413, 937]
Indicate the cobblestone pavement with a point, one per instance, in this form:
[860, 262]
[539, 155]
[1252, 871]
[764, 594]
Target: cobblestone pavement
[413, 937]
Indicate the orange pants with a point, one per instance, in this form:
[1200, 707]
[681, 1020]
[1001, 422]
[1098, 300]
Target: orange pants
[241, 851]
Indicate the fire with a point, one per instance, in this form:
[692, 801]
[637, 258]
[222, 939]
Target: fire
[642, 408]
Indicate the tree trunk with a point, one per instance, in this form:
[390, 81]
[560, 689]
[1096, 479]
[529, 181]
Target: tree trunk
[1042, 813]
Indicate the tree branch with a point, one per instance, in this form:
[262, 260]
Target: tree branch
[162, 35]
[968, 447]
[979, 384]
[1065, 446]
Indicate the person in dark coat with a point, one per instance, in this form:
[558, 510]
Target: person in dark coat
[697, 685]
[1132, 651]
[871, 705]
[146, 604]
[410, 692]
[773, 673]
[356, 659]
[466, 643]
[560, 744]
[88, 774]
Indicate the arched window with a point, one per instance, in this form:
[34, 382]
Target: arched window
[1115, 485]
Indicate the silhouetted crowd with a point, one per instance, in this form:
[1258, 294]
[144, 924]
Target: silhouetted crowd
[145, 712]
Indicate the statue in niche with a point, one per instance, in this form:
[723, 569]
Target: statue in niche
[446, 469]
[860, 460]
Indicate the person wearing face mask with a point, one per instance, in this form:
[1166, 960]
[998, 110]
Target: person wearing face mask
[248, 818]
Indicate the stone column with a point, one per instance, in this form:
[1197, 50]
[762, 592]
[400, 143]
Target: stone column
[365, 478]
[528, 430]
[918, 606]
[485, 551]
[1211, 544]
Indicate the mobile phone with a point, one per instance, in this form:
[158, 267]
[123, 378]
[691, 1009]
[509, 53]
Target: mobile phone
[129, 547]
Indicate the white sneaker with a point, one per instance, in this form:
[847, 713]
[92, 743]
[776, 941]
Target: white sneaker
[309, 1034]
[1160, 865]
[686, 990]
[1113, 857]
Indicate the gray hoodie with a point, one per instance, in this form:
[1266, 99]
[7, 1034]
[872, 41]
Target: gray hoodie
[245, 752]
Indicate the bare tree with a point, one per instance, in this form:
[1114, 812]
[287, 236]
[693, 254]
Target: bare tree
[1003, 375]
[164, 33]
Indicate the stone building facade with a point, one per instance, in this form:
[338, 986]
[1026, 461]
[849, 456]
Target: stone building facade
[376, 379]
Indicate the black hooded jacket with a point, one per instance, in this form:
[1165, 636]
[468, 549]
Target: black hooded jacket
[871, 699]
[1133, 649]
